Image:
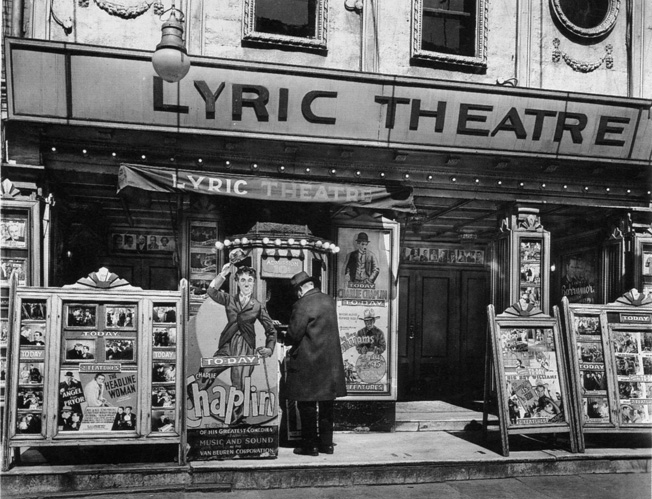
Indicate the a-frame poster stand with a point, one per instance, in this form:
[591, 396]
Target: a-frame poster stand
[610, 349]
[526, 359]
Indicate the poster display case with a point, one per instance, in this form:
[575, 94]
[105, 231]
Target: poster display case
[610, 349]
[526, 357]
[366, 306]
[202, 261]
[20, 251]
[95, 363]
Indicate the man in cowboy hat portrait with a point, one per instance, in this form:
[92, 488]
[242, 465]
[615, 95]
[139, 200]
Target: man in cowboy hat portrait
[370, 339]
[315, 368]
[361, 265]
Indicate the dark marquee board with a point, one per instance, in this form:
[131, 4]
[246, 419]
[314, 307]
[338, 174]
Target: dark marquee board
[610, 360]
[526, 359]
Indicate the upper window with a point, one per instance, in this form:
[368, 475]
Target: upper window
[586, 18]
[300, 23]
[451, 31]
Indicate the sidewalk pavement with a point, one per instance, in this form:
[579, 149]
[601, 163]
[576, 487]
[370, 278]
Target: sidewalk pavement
[398, 458]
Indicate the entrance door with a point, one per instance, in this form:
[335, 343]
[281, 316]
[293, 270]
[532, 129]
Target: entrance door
[441, 335]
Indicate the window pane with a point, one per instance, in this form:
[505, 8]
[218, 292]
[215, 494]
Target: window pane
[286, 17]
[585, 13]
[449, 26]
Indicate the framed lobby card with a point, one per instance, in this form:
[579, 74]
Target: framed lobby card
[527, 358]
[366, 266]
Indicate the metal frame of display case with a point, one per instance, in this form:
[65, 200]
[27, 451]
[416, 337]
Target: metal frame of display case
[45, 320]
[590, 333]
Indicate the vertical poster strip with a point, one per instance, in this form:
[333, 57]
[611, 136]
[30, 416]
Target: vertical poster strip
[364, 277]
[232, 409]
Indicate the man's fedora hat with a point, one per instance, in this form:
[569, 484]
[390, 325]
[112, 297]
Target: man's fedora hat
[69, 374]
[301, 278]
[362, 237]
[369, 313]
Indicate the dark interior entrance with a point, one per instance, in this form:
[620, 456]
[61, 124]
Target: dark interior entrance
[441, 335]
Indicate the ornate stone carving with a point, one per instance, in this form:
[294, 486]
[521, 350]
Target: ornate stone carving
[124, 11]
[584, 26]
[580, 66]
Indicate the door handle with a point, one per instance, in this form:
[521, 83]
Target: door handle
[411, 329]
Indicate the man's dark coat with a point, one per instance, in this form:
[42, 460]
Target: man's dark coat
[315, 369]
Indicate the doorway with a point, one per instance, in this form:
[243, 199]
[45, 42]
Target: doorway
[442, 334]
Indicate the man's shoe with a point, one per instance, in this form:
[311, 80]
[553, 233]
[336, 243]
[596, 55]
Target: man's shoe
[310, 451]
[326, 449]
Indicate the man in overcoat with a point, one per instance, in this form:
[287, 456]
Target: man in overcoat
[315, 369]
[238, 336]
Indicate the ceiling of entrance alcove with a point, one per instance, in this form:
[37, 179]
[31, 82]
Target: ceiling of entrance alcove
[453, 193]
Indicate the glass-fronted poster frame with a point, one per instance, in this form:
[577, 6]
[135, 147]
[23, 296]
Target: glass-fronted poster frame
[93, 376]
[528, 361]
[365, 297]
[611, 363]
[579, 276]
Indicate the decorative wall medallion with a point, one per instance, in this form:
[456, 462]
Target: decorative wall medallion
[586, 18]
[579, 66]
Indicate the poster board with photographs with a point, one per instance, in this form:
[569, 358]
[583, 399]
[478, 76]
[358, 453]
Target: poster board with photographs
[102, 362]
[610, 361]
[202, 260]
[527, 360]
[366, 308]
[127, 240]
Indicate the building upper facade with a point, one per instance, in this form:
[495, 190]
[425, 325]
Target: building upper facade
[591, 46]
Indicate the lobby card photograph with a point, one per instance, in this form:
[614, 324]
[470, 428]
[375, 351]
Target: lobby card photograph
[92, 400]
[120, 316]
[10, 265]
[13, 232]
[203, 234]
[145, 243]
[531, 367]
[80, 316]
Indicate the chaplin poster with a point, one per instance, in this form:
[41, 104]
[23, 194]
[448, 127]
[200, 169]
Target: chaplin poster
[232, 409]
[363, 307]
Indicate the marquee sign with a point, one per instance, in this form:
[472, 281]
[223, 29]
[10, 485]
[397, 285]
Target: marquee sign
[117, 88]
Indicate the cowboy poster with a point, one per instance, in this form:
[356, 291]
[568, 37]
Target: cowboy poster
[229, 419]
[363, 307]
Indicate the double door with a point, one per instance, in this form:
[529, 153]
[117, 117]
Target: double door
[442, 334]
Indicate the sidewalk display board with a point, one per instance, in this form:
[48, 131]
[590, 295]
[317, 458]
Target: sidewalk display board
[610, 349]
[366, 300]
[526, 357]
[95, 363]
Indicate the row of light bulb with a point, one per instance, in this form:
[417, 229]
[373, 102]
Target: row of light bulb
[266, 241]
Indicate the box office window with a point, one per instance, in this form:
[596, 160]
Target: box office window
[300, 23]
[449, 31]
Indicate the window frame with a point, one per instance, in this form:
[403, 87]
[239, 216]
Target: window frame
[480, 58]
[598, 31]
[319, 43]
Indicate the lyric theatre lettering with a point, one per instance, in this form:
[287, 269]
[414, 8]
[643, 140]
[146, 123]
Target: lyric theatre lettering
[467, 118]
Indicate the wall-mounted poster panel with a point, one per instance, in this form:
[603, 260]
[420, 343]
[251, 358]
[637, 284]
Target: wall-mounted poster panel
[527, 358]
[365, 298]
[579, 276]
[610, 350]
